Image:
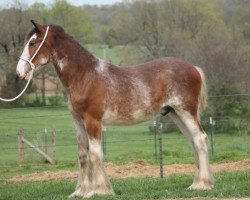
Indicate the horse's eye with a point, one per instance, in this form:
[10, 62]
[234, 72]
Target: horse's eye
[32, 44]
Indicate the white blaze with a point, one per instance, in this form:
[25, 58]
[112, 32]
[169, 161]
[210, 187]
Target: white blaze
[23, 66]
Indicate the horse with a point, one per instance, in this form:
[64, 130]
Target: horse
[102, 93]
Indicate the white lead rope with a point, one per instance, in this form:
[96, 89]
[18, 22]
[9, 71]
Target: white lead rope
[32, 69]
[15, 98]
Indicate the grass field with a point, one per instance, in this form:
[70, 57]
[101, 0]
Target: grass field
[111, 53]
[123, 144]
[228, 185]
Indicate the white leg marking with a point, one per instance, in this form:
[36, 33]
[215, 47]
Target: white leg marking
[203, 177]
[101, 184]
[204, 180]
[95, 148]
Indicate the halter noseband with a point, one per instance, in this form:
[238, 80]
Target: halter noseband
[31, 65]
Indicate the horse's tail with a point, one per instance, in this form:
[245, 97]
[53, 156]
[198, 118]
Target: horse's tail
[203, 92]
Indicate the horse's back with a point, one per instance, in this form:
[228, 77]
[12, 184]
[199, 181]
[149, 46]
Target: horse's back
[170, 63]
[169, 71]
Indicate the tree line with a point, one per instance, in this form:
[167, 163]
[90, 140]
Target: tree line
[212, 34]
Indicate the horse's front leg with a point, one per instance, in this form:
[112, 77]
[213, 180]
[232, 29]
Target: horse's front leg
[92, 178]
[100, 181]
[84, 186]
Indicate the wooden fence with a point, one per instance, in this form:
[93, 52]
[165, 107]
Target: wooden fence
[22, 141]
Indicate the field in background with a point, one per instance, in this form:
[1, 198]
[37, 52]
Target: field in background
[104, 52]
[122, 144]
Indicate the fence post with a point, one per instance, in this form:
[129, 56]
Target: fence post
[213, 134]
[212, 123]
[45, 140]
[104, 129]
[53, 139]
[155, 135]
[160, 150]
[20, 146]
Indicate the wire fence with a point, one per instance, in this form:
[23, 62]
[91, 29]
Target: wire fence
[228, 137]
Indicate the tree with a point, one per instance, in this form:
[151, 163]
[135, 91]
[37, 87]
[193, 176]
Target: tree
[191, 30]
[39, 12]
[72, 19]
[164, 28]
[237, 18]
[11, 44]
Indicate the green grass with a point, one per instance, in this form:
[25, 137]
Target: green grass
[123, 144]
[111, 53]
[228, 184]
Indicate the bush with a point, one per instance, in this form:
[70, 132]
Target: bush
[230, 112]
[12, 87]
[55, 100]
[30, 102]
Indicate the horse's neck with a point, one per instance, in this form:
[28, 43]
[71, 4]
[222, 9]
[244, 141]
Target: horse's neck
[71, 60]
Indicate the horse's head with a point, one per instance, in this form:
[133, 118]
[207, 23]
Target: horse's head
[37, 50]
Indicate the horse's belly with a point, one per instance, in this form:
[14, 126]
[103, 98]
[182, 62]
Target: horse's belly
[115, 118]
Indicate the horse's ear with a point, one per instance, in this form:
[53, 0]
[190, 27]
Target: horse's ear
[37, 26]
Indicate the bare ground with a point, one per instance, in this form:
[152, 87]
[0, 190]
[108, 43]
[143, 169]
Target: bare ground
[138, 168]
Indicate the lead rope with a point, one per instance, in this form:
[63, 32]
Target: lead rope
[32, 69]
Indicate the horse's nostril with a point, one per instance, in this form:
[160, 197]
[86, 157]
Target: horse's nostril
[18, 73]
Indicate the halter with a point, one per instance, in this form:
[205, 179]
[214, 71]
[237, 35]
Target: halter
[32, 67]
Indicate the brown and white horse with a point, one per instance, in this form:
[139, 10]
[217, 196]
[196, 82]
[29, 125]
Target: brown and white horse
[101, 93]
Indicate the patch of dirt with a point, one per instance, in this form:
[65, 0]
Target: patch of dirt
[138, 168]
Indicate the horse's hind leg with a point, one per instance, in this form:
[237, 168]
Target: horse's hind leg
[190, 127]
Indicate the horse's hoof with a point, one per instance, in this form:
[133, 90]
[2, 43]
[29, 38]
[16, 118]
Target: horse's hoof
[79, 193]
[200, 186]
[104, 192]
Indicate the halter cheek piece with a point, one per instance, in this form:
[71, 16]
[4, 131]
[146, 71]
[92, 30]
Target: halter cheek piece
[31, 65]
